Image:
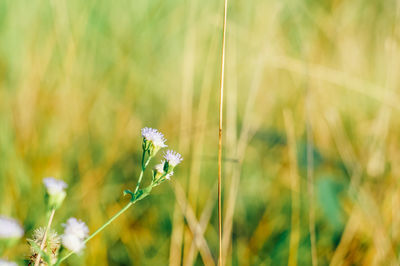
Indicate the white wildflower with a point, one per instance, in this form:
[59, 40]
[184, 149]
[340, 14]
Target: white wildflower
[7, 263]
[173, 158]
[74, 234]
[160, 170]
[54, 186]
[154, 136]
[10, 228]
[56, 192]
[73, 243]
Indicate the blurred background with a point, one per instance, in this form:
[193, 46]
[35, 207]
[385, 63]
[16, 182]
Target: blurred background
[311, 129]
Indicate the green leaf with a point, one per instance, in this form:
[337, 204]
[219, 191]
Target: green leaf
[127, 191]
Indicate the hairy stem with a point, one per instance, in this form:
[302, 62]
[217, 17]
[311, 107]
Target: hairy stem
[37, 261]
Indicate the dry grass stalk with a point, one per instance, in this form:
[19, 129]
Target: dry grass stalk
[221, 105]
[193, 224]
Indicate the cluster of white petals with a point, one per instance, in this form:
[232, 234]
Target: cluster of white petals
[154, 136]
[74, 235]
[54, 186]
[10, 228]
[173, 158]
[160, 169]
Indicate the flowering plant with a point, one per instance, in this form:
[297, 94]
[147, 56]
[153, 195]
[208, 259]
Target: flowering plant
[49, 248]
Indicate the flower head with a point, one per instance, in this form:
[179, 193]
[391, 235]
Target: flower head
[74, 234]
[10, 228]
[73, 243]
[51, 246]
[54, 186]
[173, 158]
[7, 263]
[153, 140]
[154, 136]
[55, 190]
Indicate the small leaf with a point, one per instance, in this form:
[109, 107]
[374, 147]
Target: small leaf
[127, 191]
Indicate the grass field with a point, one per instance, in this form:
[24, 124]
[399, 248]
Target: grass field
[311, 127]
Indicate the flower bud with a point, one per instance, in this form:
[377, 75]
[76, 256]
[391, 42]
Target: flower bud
[161, 172]
[55, 192]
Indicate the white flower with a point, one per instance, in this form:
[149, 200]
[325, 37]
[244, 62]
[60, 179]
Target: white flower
[154, 136]
[173, 158]
[76, 227]
[7, 263]
[74, 234]
[73, 243]
[10, 228]
[160, 170]
[54, 186]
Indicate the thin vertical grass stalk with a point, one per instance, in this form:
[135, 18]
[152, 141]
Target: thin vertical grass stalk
[221, 105]
[37, 261]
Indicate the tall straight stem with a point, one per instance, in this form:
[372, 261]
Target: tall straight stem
[45, 236]
[221, 105]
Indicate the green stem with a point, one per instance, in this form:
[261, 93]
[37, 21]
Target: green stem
[102, 227]
[144, 165]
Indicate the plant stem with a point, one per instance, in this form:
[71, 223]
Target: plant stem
[144, 165]
[37, 261]
[221, 96]
[102, 227]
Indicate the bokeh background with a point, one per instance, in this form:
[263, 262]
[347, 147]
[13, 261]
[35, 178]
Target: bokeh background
[311, 123]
